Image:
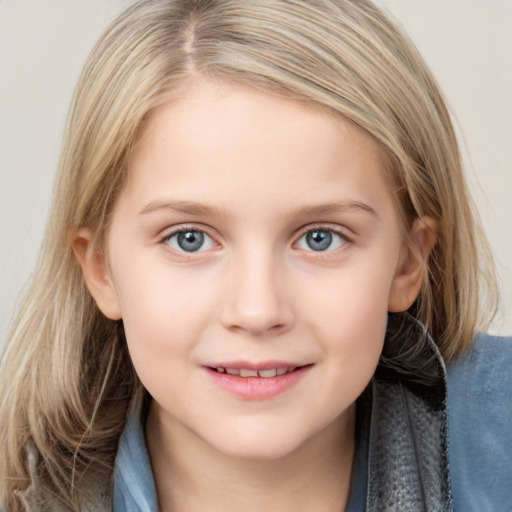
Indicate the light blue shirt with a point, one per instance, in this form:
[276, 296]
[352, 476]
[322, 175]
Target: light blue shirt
[134, 486]
[479, 429]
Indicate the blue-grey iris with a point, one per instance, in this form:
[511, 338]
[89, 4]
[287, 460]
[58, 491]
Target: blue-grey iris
[319, 240]
[190, 241]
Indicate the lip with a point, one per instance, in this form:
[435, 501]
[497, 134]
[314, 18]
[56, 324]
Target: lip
[257, 388]
[264, 365]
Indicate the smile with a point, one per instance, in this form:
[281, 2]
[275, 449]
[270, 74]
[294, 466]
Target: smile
[264, 374]
[261, 382]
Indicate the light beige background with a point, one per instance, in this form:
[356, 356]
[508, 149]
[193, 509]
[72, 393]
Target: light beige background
[43, 44]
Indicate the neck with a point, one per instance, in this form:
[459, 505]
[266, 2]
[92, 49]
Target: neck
[194, 476]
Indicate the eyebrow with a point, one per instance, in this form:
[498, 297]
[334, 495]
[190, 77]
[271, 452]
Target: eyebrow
[185, 207]
[200, 209]
[336, 207]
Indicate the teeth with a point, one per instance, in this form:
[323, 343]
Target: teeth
[248, 373]
[268, 373]
[265, 374]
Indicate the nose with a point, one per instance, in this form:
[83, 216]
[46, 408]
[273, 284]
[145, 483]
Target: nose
[257, 299]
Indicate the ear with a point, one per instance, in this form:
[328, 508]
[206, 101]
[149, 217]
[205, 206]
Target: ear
[95, 271]
[412, 265]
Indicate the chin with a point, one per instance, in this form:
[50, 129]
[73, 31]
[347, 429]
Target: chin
[259, 450]
[267, 443]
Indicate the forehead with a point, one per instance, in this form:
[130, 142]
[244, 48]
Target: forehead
[231, 143]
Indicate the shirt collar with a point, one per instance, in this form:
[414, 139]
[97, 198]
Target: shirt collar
[134, 486]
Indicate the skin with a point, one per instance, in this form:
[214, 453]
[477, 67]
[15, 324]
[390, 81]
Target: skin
[255, 173]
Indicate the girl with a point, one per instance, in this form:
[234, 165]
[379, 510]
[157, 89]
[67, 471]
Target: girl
[261, 255]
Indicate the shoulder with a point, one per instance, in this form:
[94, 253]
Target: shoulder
[479, 425]
[486, 369]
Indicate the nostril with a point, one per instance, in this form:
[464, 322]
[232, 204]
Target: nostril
[277, 328]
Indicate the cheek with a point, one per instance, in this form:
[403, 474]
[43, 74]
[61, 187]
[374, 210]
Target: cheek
[349, 319]
[353, 299]
[165, 314]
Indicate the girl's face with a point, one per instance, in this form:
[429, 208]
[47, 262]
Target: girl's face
[253, 256]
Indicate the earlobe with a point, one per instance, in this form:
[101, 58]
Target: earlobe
[94, 269]
[412, 266]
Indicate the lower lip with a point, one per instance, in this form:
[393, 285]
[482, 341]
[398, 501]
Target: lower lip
[258, 388]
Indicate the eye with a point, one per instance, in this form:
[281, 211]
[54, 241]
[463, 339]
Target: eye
[320, 240]
[189, 240]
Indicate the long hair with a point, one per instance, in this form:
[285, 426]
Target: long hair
[66, 376]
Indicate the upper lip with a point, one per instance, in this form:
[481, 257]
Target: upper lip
[263, 365]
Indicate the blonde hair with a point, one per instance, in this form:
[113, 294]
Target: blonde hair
[66, 376]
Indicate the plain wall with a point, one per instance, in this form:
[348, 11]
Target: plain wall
[43, 44]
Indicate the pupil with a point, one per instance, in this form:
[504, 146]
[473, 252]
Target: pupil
[190, 241]
[319, 240]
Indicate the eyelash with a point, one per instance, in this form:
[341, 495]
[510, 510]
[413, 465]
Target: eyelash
[327, 229]
[165, 240]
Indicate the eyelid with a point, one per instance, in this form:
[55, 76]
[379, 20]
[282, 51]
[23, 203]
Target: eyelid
[183, 228]
[344, 232]
[179, 228]
[336, 230]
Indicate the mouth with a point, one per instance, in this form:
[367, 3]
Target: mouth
[257, 382]
[267, 373]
